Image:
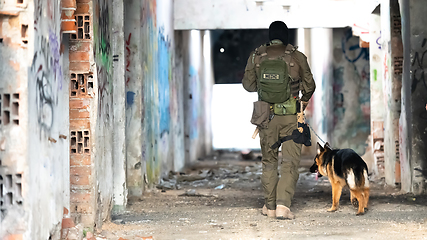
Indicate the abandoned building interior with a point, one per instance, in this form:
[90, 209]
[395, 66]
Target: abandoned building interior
[99, 99]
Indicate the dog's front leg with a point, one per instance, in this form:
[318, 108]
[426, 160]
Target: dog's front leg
[336, 195]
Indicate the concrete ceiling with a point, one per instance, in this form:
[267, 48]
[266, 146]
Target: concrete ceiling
[258, 14]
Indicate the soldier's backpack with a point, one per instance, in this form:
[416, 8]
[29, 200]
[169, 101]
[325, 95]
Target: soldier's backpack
[274, 79]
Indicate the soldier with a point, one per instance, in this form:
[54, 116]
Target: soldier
[278, 72]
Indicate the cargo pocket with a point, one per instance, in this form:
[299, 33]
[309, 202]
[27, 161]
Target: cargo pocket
[261, 114]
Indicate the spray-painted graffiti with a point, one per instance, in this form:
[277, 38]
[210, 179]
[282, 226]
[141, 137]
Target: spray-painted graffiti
[128, 56]
[418, 65]
[378, 41]
[351, 91]
[351, 49]
[164, 75]
[48, 76]
[102, 52]
[195, 95]
[157, 68]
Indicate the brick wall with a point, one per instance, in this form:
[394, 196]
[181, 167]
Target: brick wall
[82, 200]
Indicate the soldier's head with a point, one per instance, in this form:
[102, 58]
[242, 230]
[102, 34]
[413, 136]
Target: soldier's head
[279, 30]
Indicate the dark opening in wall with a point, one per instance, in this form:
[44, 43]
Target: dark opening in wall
[0, 115]
[6, 100]
[80, 142]
[231, 49]
[15, 112]
[6, 117]
[15, 108]
[19, 1]
[24, 33]
[8, 199]
[8, 181]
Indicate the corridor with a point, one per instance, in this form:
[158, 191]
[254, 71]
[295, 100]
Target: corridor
[220, 197]
[127, 119]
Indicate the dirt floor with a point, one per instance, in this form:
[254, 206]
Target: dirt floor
[221, 198]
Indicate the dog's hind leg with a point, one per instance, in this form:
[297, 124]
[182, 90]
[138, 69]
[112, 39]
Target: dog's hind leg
[336, 195]
[358, 193]
[366, 195]
[353, 200]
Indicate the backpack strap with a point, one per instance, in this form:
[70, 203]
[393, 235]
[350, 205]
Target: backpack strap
[294, 83]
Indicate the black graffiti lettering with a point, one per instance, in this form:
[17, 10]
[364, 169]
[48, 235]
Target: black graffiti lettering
[418, 74]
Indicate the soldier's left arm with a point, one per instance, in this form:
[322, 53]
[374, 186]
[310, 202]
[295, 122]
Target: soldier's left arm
[307, 81]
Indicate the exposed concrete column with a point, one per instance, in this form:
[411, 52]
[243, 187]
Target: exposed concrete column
[304, 45]
[413, 124]
[392, 61]
[133, 85]
[377, 97]
[396, 87]
[119, 106]
[320, 61]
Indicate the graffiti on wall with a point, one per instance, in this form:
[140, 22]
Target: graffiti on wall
[46, 67]
[128, 58]
[102, 52]
[351, 49]
[351, 91]
[157, 74]
[195, 95]
[418, 65]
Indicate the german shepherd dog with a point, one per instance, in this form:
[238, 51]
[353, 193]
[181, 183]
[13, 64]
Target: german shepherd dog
[343, 167]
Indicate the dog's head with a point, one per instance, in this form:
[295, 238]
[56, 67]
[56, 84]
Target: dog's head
[318, 160]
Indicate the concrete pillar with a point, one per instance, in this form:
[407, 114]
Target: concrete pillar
[396, 77]
[392, 67]
[377, 97]
[304, 46]
[320, 61]
[119, 105]
[413, 124]
[133, 85]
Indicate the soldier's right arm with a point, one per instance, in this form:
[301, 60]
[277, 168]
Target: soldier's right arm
[249, 78]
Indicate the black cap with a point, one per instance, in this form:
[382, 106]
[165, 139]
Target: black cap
[279, 30]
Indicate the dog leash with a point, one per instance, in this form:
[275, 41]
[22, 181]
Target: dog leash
[316, 133]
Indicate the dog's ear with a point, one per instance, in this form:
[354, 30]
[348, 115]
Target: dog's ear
[328, 146]
[320, 149]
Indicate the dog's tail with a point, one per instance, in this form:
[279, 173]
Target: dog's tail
[358, 179]
[364, 181]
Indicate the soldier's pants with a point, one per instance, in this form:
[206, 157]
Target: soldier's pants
[279, 191]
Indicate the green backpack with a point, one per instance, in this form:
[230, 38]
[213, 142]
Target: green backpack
[273, 81]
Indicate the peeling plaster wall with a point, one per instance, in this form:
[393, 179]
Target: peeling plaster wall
[34, 131]
[162, 118]
[48, 111]
[174, 77]
[351, 91]
[104, 119]
[15, 61]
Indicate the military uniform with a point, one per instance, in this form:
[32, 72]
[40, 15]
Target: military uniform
[280, 191]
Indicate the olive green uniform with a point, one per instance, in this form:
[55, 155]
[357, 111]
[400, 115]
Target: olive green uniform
[280, 191]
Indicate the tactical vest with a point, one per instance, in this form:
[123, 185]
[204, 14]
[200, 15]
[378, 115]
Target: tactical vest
[274, 82]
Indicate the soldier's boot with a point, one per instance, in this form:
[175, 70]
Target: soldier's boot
[283, 212]
[267, 212]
